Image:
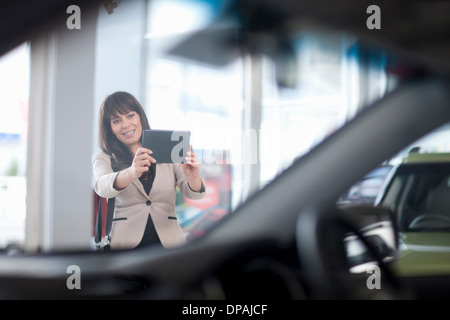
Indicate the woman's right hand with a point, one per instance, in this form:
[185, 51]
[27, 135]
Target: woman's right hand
[141, 162]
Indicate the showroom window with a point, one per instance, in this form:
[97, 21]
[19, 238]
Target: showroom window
[14, 86]
[206, 100]
[251, 114]
[331, 83]
[248, 122]
[252, 117]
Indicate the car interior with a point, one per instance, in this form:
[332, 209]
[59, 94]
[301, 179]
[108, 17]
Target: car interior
[290, 238]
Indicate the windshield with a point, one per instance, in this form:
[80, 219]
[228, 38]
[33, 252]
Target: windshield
[252, 113]
[252, 108]
[419, 194]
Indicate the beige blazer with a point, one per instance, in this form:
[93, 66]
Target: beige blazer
[133, 206]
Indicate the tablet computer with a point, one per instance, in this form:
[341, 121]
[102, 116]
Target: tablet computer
[168, 146]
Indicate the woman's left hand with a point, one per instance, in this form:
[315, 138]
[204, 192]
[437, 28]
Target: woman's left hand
[191, 169]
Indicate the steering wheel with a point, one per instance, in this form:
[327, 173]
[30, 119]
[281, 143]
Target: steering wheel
[430, 221]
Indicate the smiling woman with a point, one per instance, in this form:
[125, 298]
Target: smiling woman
[127, 128]
[120, 115]
[145, 191]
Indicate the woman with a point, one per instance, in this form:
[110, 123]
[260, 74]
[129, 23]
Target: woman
[144, 190]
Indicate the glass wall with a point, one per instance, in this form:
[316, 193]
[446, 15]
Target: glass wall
[249, 118]
[14, 86]
[252, 117]
[206, 100]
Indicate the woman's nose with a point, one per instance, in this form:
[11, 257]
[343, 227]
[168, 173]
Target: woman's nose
[125, 123]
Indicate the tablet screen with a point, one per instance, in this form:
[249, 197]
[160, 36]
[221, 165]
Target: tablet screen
[168, 146]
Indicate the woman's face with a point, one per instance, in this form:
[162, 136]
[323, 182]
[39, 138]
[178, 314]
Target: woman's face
[128, 129]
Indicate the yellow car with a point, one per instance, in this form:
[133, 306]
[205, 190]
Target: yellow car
[419, 195]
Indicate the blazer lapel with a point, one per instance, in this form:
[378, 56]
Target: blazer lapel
[140, 187]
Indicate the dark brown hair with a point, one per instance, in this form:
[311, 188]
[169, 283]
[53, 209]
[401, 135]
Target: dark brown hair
[118, 103]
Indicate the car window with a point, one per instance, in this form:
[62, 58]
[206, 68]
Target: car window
[14, 81]
[368, 188]
[415, 187]
[273, 110]
[251, 115]
[387, 182]
[422, 195]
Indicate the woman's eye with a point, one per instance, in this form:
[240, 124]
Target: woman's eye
[131, 115]
[115, 121]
